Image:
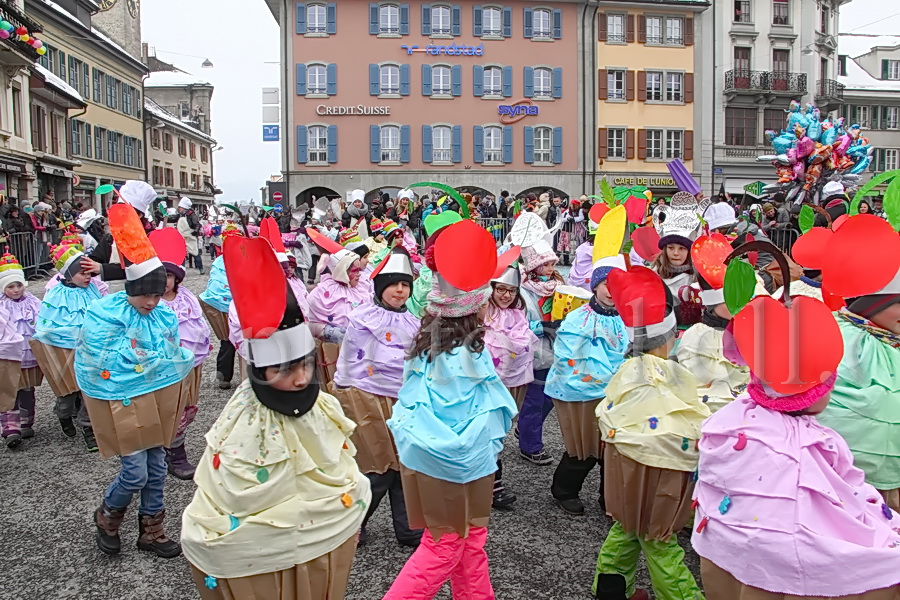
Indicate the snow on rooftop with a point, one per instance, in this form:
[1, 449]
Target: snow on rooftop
[858, 78]
[857, 44]
[58, 83]
[160, 113]
[172, 79]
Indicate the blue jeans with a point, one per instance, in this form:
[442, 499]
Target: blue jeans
[535, 408]
[143, 472]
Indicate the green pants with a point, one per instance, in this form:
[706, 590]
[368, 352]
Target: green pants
[669, 575]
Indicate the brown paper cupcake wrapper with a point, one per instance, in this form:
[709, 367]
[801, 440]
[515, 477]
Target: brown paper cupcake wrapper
[190, 386]
[32, 377]
[446, 507]
[10, 376]
[326, 361]
[375, 450]
[217, 320]
[578, 424]
[58, 366]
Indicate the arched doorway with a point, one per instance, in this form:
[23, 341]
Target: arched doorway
[306, 196]
[390, 190]
[475, 190]
[537, 191]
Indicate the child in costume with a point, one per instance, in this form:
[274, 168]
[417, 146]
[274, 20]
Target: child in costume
[279, 498]
[215, 300]
[583, 265]
[368, 377]
[21, 311]
[73, 240]
[130, 365]
[332, 300]
[678, 225]
[193, 330]
[451, 417]
[418, 300]
[590, 348]
[57, 333]
[650, 422]
[782, 512]
[10, 369]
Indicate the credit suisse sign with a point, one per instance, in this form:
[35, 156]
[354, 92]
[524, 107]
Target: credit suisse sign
[359, 110]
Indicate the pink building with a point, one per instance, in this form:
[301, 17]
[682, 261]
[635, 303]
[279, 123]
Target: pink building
[484, 97]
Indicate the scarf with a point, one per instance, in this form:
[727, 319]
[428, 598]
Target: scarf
[676, 270]
[542, 288]
[379, 302]
[713, 320]
[291, 404]
[357, 212]
[607, 311]
[882, 335]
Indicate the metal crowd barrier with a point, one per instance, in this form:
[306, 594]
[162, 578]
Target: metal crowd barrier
[32, 254]
[783, 238]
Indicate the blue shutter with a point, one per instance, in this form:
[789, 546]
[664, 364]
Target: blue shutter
[301, 17]
[374, 83]
[373, 18]
[404, 143]
[426, 80]
[404, 19]
[477, 29]
[557, 145]
[456, 144]
[332, 137]
[529, 23]
[404, 80]
[478, 80]
[426, 19]
[479, 143]
[529, 82]
[302, 154]
[557, 24]
[456, 80]
[331, 81]
[374, 143]
[507, 82]
[529, 145]
[456, 20]
[557, 82]
[427, 148]
[507, 21]
[331, 18]
[507, 144]
[301, 80]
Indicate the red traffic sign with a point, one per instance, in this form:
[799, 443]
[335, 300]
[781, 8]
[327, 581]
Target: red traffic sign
[277, 196]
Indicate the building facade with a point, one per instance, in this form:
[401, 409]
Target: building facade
[767, 53]
[486, 97]
[647, 113]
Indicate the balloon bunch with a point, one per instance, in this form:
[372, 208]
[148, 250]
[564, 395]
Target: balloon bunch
[8, 30]
[811, 151]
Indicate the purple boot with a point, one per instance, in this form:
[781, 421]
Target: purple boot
[179, 466]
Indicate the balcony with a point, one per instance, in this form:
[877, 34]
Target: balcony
[829, 94]
[21, 53]
[776, 83]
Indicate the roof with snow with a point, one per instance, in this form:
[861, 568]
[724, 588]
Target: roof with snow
[163, 115]
[854, 45]
[172, 79]
[857, 44]
[58, 84]
[858, 78]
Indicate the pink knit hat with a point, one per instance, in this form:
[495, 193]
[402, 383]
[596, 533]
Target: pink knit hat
[763, 395]
[538, 255]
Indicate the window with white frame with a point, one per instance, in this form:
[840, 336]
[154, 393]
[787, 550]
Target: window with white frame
[674, 144]
[615, 139]
[440, 20]
[389, 19]
[654, 86]
[742, 11]
[390, 143]
[674, 31]
[781, 11]
[674, 87]
[862, 116]
[492, 21]
[891, 117]
[390, 79]
[654, 30]
[441, 144]
[317, 144]
[543, 144]
[615, 84]
[655, 143]
[615, 28]
[493, 143]
[890, 159]
[893, 69]
[77, 128]
[315, 18]
[441, 81]
[493, 81]
[317, 79]
[542, 23]
[543, 83]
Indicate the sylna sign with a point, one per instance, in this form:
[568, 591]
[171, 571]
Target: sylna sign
[451, 50]
[512, 113]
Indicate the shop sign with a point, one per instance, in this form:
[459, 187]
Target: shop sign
[11, 167]
[511, 113]
[451, 50]
[645, 181]
[352, 111]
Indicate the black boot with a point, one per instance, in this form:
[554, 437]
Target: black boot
[503, 498]
[611, 586]
[89, 440]
[68, 426]
[108, 521]
[405, 535]
[179, 465]
[152, 536]
[567, 481]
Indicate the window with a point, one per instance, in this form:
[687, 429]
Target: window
[781, 10]
[773, 118]
[193, 151]
[112, 92]
[44, 60]
[742, 11]
[167, 142]
[315, 18]
[61, 66]
[140, 153]
[862, 116]
[87, 140]
[183, 180]
[114, 141]
[654, 30]
[615, 28]
[86, 81]
[615, 139]
[674, 87]
[493, 22]
[542, 23]
[543, 144]
[441, 81]
[154, 138]
[195, 181]
[440, 20]
[891, 69]
[493, 143]
[742, 60]
[99, 80]
[157, 175]
[58, 135]
[17, 111]
[674, 31]
[38, 128]
[493, 81]
[390, 79]
[129, 151]
[170, 177]
[182, 147]
[316, 80]
[781, 60]
[740, 126]
[543, 83]
[127, 99]
[390, 143]
[655, 143]
[99, 134]
[654, 86]
[824, 18]
[890, 159]
[674, 144]
[75, 73]
[204, 154]
[615, 85]
[441, 144]
[317, 140]
[77, 128]
[891, 117]
[389, 19]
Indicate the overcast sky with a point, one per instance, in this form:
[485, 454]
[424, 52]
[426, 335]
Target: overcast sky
[870, 16]
[239, 38]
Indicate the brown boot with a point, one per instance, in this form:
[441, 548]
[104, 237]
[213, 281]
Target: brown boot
[108, 521]
[152, 536]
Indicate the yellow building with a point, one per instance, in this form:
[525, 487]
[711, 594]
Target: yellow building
[646, 113]
[107, 138]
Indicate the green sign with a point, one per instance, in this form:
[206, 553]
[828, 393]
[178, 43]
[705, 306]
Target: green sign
[755, 189]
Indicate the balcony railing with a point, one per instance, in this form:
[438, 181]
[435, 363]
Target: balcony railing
[8, 12]
[738, 80]
[829, 88]
[390, 155]
[442, 155]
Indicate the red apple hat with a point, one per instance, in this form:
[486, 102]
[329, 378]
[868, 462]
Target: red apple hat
[646, 306]
[171, 249]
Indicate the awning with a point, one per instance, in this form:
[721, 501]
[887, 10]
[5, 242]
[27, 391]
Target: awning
[735, 185]
[57, 171]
